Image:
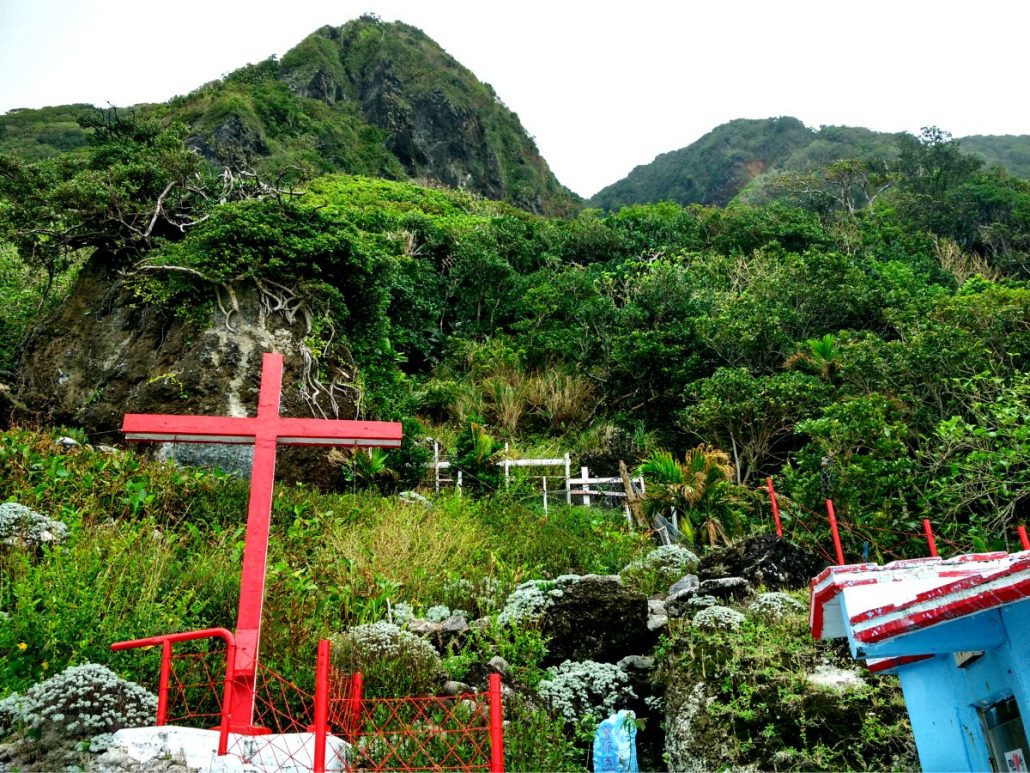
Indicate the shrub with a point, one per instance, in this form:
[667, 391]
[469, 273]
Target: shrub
[743, 699]
[773, 606]
[660, 568]
[394, 662]
[718, 618]
[80, 702]
[529, 601]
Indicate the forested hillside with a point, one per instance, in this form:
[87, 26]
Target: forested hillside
[856, 345]
[369, 97]
[753, 158]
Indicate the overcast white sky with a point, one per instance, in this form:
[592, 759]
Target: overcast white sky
[602, 86]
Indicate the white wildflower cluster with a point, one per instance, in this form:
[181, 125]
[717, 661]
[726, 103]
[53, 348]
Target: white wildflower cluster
[670, 562]
[775, 606]
[21, 526]
[531, 599]
[718, 618]
[384, 651]
[577, 689]
[528, 601]
[80, 702]
[11, 714]
[438, 613]
[384, 640]
[402, 612]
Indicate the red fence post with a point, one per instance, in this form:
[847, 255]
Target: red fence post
[1023, 538]
[836, 534]
[162, 685]
[496, 726]
[227, 699]
[775, 507]
[357, 695]
[928, 530]
[321, 704]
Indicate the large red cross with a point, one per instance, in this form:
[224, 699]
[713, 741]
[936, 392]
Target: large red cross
[265, 431]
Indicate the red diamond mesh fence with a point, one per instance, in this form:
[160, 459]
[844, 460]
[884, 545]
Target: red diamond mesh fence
[334, 728]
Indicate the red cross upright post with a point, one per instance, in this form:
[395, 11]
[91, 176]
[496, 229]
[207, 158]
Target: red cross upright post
[264, 431]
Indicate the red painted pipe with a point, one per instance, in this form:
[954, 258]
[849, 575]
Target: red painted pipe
[227, 699]
[1023, 538]
[162, 689]
[321, 704]
[496, 726]
[835, 532]
[207, 633]
[166, 641]
[928, 530]
[775, 507]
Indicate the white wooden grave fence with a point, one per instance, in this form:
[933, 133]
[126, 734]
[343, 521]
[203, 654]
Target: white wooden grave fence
[585, 486]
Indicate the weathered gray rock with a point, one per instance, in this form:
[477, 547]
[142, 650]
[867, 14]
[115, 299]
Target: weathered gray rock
[678, 604]
[765, 561]
[499, 665]
[596, 618]
[450, 630]
[452, 687]
[424, 628]
[657, 617]
[687, 749]
[632, 663]
[103, 354]
[725, 588]
[688, 581]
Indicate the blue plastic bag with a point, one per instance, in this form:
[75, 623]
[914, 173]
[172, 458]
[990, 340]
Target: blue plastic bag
[615, 744]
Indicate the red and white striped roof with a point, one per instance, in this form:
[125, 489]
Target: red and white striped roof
[906, 596]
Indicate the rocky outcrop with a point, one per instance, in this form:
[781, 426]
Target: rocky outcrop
[597, 618]
[766, 560]
[103, 354]
[435, 116]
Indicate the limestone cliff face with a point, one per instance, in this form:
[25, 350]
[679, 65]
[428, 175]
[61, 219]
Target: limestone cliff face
[104, 354]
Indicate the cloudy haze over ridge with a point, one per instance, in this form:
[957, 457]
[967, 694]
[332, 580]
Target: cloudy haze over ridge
[601, 86]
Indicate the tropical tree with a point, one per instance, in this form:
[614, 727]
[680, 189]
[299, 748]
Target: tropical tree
[475, 454]
[818, 356]
[754, 416]
[700, 487]
[369, 468]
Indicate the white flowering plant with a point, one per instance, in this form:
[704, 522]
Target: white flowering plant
[718, 618]
[80, 702]
[394, 662]
[775, 605]
[585, 689]
[660, 568]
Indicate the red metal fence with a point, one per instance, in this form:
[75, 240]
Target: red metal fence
[885, 542]
[335, 727]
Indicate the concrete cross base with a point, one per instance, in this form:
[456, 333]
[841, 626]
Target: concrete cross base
[287, 752]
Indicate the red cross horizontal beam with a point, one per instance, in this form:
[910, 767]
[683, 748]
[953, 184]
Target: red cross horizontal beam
[242, 431]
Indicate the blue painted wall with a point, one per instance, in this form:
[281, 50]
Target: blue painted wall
[943, 699]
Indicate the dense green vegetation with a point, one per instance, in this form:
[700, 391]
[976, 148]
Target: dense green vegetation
[846, 346]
